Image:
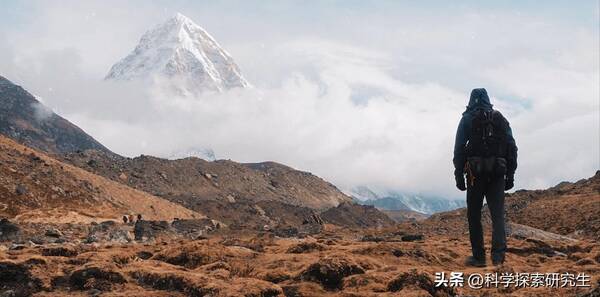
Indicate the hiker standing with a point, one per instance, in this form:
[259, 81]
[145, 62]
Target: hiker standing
[485, 151]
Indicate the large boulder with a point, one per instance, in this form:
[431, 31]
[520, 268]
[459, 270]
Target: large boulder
[8, 231]
[195, 227]
[109, 231]
[144, 230]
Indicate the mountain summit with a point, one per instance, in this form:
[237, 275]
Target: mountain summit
[182, 54]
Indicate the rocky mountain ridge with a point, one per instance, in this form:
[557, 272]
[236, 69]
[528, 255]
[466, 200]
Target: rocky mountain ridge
[26, 120]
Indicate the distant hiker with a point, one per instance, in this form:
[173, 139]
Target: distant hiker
[139, 217]
[131, 219]
[486, 152]
[125, 219]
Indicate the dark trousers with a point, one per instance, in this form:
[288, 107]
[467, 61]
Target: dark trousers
[493, 191]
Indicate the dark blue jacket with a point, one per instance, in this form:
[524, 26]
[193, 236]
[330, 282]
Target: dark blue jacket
[479, 100]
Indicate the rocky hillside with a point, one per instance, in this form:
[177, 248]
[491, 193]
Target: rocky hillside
[570, 209]
[36, 188]
[357, 216]
[26, 120]
[243, 196]
[192, 180]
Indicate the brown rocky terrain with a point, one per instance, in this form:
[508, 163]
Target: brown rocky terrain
[247, 196]
[336, 262]
[26, 120]
[357, 216]
[195, 179]
[37, 188]
[570, 209]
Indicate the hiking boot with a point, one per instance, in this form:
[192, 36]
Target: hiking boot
[497, 261]
[475, 262]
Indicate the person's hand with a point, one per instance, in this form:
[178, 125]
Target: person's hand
[509, 182]
[460, 181]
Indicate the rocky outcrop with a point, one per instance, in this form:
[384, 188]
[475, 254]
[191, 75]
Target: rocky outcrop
[196, 183]
[8, 231]
[144, 230]
[34, 187]
[357, 216]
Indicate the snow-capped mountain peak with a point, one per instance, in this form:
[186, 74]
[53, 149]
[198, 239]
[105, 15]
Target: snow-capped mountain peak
[183, 54]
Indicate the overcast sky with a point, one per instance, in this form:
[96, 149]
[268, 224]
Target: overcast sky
[357, 92]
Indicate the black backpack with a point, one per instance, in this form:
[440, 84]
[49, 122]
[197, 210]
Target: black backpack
[488, 135]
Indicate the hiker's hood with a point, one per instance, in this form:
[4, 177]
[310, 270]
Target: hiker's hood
[479, 99]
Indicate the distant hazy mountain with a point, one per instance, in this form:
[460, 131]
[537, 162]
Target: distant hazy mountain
[183, 57]
[26, 120]
[202, 153]
[403, 201]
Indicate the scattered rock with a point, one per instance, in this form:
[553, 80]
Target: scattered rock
[92, 163]
[91, 238]
[195, 227]
[419, 280]
[535, 247]
[109, 231]
[17, 278]
[17, 247]
[59, 252]
[230, 199]
[123, 176]
[53, 232]
[412, 237]
[584, 261]
[144, 255]
[120, 235]
[20, 190]
[372, 238]
[305, 247]
[8, 230]
[149, 229]
[330, 271]
[526, 232]
[286, 231]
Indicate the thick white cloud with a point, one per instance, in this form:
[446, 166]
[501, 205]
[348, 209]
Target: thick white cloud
[374, 101]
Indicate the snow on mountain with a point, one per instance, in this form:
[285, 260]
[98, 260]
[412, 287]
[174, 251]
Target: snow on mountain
[390, 200]
[202, 153]
[180, 55]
